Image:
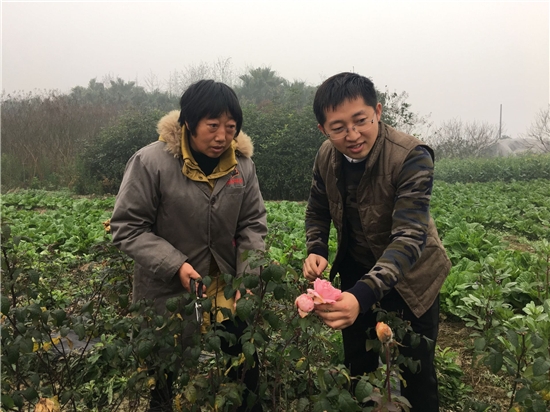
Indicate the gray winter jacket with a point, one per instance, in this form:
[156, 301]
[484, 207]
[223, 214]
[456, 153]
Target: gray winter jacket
[162, 219]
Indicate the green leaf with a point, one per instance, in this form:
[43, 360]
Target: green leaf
[279, 292]
[201, 381]
[302, 405]
[30, 394]
[123, 301]
[59, 316]
[521, 395]
[214, 343]
[172, 304]
[35, 311]
[190, 393]
[18, 399]
[512, 337]
[65, 397]
[540, 366]
[334, 391]
[363, 389]
[271, 318]
[5, 304]
[34, 378]
[536, 340]
[229, 291]
[346, 402]
[88, 307]
[494, 361]
[322, 405]
[26, 345]
[251, 281]
[234, 395]
[249, 349]
[144, 348]
[34, 276]
[259, 339]
[7, 402]
[244, 308]
[159, 321]
[294, 354]
[6, 232]
[206, 305]
[479, 344]
[321, 378]
[79, 330]
[12, 353]
[273, 272]
[539, 406]
[219, 402]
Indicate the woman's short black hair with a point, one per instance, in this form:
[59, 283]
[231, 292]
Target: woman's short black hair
[209, 99]
[339, 88]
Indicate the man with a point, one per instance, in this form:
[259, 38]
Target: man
[374, 183]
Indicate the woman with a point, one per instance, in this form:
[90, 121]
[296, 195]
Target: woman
[189, 205]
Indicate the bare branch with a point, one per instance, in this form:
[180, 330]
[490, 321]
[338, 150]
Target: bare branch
[537, 137]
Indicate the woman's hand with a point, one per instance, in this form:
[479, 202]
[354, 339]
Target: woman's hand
[340, 314]
[238, 296]
[314, 266]
[186, 272]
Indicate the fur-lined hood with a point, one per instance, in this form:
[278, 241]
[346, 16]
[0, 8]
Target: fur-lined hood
[169, 128]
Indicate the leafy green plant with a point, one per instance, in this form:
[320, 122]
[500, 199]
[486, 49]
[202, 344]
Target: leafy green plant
[507, 169]
[452, 390]
[495, 234]
[522, 350]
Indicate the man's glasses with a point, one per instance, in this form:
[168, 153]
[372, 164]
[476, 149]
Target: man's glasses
[362, 125]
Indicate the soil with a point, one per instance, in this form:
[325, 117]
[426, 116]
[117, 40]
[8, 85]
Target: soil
[486, 387]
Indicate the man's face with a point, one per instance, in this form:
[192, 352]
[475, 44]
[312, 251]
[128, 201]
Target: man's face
[352, 127]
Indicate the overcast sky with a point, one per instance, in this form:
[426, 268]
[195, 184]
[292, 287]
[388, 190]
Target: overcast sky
[455, 59]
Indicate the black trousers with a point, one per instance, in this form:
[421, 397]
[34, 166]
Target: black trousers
[421, 388]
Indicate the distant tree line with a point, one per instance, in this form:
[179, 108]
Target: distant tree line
[83, 139]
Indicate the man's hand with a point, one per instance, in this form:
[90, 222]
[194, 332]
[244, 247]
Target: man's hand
[186, 272]
[340, 314]
[314, 266]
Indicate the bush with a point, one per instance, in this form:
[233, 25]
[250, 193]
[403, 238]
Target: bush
[78, 341]
[285, 144]
[102, 162]
[507, 169]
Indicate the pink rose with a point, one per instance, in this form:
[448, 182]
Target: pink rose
[324, 290]
[304, 304]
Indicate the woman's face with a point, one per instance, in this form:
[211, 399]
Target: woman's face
[213, 136]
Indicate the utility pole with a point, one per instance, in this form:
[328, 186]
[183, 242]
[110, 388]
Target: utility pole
[500, 124]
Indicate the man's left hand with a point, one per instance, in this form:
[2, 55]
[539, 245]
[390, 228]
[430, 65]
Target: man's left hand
[340, 314]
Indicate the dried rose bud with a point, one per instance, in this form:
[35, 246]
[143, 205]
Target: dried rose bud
[384, 332]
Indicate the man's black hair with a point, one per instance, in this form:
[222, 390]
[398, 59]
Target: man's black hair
[209, 99]
[341, 87]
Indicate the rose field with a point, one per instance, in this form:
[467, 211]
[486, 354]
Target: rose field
[72, 339]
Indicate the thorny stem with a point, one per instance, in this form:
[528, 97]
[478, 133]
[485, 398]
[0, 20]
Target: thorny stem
[388, 384]
[310, 377]
[518, 370]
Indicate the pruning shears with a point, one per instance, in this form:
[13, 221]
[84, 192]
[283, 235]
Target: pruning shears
[196, 288]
